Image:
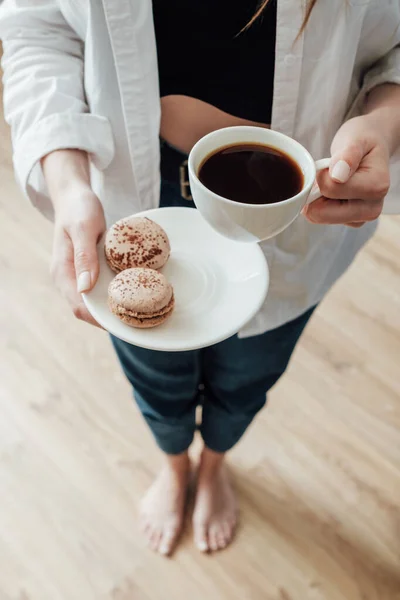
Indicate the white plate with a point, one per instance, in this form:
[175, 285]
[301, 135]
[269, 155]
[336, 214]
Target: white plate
[219, 286]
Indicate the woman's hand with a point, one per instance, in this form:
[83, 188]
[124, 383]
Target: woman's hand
[75, 265]
[354, 188]
[79, 225]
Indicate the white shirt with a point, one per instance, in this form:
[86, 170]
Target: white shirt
[83, 74]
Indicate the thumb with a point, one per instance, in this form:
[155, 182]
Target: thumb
[345, 161]
[84, 239]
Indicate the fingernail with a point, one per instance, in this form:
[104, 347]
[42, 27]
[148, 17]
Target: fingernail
[202, 546]
[341, 171]
[164, 550]
[83, 282]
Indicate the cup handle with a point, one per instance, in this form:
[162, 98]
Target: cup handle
[315, 193]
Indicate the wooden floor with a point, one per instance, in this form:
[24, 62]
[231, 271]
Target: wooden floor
[318, 475]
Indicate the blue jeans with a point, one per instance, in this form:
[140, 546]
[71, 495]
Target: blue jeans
[234, 375]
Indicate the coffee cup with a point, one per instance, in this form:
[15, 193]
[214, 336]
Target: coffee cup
[252, 222]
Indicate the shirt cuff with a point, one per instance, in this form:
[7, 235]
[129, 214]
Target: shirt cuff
[82, 131]
[386, 71]
[379, 76]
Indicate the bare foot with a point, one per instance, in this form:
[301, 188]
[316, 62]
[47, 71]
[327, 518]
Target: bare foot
[163, 507]
[215, 511]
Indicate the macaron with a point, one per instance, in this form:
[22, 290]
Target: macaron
[141, 298]
[136, 242]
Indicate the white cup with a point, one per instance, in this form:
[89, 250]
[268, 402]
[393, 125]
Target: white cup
[251, 222]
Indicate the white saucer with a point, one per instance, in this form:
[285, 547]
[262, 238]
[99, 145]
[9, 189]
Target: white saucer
[219, 286]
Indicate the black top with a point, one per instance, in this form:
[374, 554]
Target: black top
[202, 54]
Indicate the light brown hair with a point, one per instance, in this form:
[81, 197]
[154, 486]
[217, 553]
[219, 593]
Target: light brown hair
[263, 5]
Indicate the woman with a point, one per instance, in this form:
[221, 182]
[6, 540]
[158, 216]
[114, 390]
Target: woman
[82, 95]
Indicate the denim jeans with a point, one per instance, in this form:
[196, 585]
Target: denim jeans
[234, 375]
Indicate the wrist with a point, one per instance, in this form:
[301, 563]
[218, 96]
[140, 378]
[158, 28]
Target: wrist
[67, 174]
[383, 121]
[75, 204]
[382, 111]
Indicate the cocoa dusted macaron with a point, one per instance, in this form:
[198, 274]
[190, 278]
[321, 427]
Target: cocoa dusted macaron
[136, 242]
[141, 298]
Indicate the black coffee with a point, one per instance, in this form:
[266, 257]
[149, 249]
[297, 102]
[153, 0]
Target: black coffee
[251, 174]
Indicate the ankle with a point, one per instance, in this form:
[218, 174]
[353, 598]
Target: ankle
[178, 464]
[211, 462]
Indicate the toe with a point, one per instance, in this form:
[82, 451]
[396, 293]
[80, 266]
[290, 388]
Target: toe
[200, 537]
[144, 525]
[147, 532]
[221, 540]
[155, 540]
[232, 523]
[213, 538]
[234, 518]
[228, 529]
[167, 542]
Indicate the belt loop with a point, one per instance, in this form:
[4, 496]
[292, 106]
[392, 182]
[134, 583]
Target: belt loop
[184, 180]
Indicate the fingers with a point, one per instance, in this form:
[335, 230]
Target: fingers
[348, 212]
[345, 162]
[369, 186]
[63, 273]
[356, 201]
[359, 169]
[80, 215]
[354, 187]
[370, 181]
[81, 312]
[356, 225]
[84, 237]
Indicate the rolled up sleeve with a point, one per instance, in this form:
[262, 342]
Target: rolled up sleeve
[386, 70]
[44, 99]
